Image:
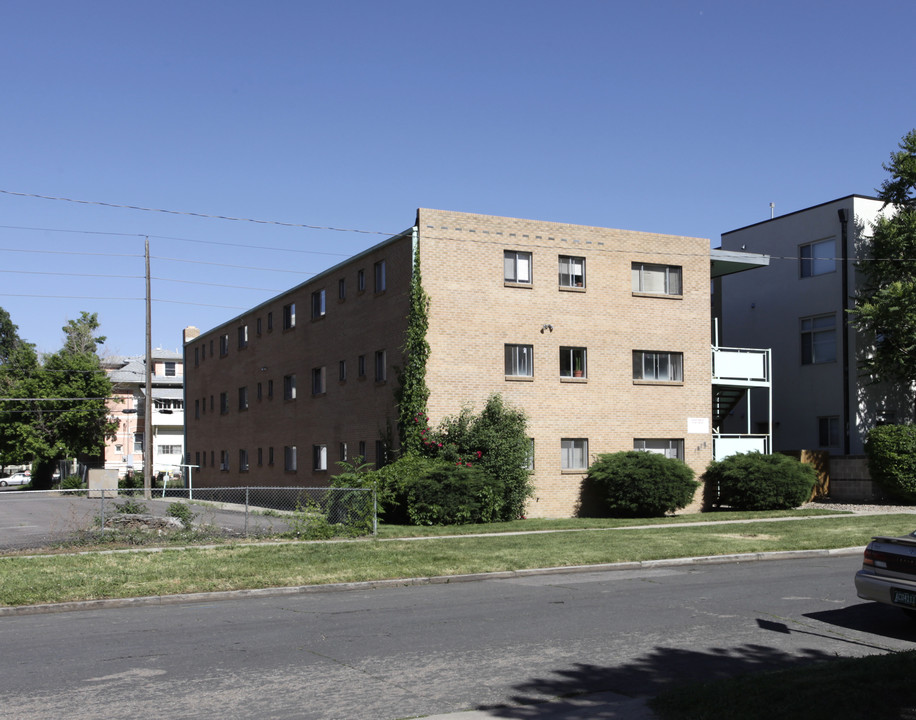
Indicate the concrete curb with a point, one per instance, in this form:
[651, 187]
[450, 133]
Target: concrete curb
[153, 600]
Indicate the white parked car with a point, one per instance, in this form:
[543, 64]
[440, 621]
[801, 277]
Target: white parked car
[16, 479]
[888, 573]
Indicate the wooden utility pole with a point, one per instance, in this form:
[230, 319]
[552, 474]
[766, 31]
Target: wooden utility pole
[148, 412]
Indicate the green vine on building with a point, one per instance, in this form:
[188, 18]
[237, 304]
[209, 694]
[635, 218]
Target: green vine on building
[412, 391]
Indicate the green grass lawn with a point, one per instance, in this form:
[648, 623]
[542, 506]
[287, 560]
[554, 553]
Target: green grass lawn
[89, 576]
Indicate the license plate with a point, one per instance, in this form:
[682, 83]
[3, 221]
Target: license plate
[904, 597]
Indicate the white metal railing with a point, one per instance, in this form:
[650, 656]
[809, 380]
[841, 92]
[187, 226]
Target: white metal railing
[724, 445]
[745, 366]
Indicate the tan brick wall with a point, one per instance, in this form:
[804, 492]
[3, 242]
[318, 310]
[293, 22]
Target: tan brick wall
[473, 314]
[351, 411]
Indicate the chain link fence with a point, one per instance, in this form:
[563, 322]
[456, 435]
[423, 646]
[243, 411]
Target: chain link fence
[37, 518]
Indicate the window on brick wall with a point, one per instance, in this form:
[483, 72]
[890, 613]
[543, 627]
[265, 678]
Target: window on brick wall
[361, 280]
[223, 403]
[290, 462]
[224, 345]
[517, 267]
[519, 360]
[289, 387]
[289, 316]
[658, 366]
[381, 367]
[318, 381]
[670, 448]
[381, 281]
[243, 398]
[572, 362]
[243, 337]
[318, 304]
[574, 453]
[656, 279]
[243, 460]
[319, 457]
[572, 271]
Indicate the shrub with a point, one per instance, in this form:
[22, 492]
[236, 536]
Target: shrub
[71, 482]
[752, 481]
[642, 484]
[454, 494]
[181, 512]
[131, 507]
[891, 453]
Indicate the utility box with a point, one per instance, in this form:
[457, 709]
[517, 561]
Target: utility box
[103, 481]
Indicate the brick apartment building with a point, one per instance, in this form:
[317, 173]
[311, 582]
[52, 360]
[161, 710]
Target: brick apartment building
[601, 336]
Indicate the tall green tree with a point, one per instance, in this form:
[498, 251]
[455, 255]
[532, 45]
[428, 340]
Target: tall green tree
[55, 408]
[885, 306]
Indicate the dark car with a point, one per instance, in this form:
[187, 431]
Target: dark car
[888, 573]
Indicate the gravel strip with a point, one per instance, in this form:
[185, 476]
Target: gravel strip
[860, 508]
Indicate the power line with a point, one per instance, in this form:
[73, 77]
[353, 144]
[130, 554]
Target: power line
[192, 214]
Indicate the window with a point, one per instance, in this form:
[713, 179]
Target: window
[520, 360]
[530, 463]
[260, 456]
[656, 279]
[203, 405]
[319, 457]
[381, 370]
[270, 456]
[828, 431]
[223, 403]
[203, 351]
[360, 280]
[197, 458]
[318, 304]
[243, 461]
[289, 316]
[224, 460]
[573, 454]
[342, 370]
[818, 339]
[668, 448]
[243, 337]
[260, 391]
[270, 321]
[380, 281]
[381, 454]
[342, 289]
[817, 258]
[197, 409]
[362, 448]
[289, 387]
[169, 369]
[572, 271]
[168, 449]
[343, 452]
[224, 344]
[361, 366]
[258, 327]
[517, 267]
[243, 398]
[658, 366]
[572, 362]
[289, 458]
[270, 389]
[318, 381]
[212, 462]
[196, 356]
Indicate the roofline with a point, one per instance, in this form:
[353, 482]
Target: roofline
[313, 278]
[796, 212]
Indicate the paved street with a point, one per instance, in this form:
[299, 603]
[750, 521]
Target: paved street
[408, 651]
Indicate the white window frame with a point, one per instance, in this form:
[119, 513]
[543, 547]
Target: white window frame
[569, 358]
[657, 279]
[574, 454]
[669, 447]
[571, 271]
[319, 458]
[517, 267]
[518, 360]
[655, 366]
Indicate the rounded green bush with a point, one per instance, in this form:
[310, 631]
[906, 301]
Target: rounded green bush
[453, 495]
[891, 453]
[753, 481]
[642, 484]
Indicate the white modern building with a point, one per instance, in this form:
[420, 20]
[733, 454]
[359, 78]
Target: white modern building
[798, 306]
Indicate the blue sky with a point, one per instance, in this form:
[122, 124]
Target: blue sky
[677, 117]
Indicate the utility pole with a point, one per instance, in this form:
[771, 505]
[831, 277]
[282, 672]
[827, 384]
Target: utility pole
[148, 408]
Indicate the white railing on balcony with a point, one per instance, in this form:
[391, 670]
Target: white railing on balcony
[725, 445]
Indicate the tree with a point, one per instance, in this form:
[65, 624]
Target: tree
[55, 408]
[885, 306]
